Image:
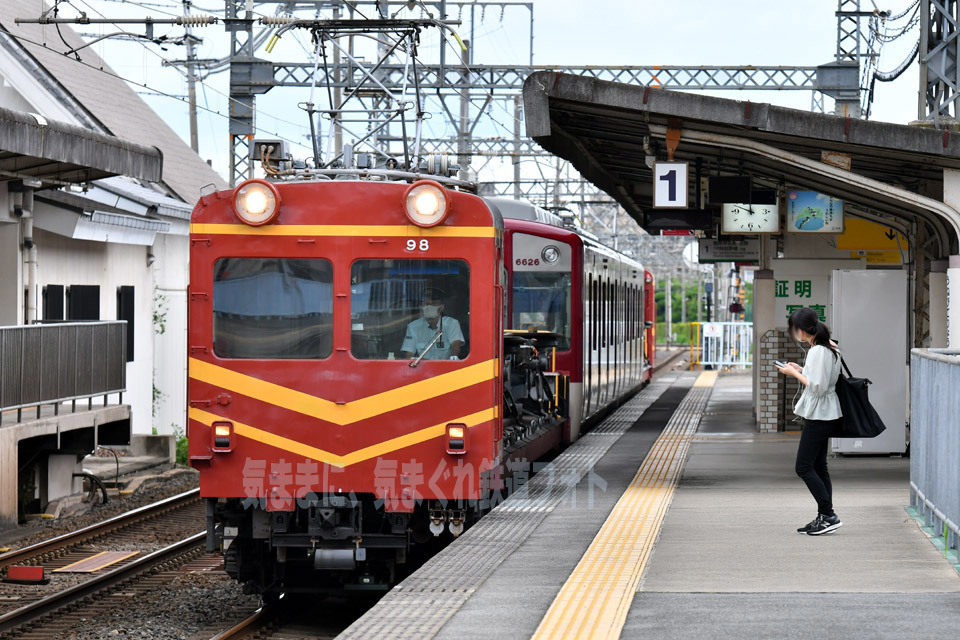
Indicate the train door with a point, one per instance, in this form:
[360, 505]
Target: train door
[649, 315]
[588, 340]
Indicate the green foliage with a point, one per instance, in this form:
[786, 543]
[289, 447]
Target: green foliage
[159, 313]
[158, 395]
[682, 331]
[675, 294]
[182, 444]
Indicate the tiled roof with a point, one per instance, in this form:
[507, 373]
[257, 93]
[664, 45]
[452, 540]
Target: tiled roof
[109, 100]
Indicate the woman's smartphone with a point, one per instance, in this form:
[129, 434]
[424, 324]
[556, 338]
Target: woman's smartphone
[780, 364]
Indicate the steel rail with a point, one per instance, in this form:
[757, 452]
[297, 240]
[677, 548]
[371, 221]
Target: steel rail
[256, 618]
[119, 521]
[31, 612]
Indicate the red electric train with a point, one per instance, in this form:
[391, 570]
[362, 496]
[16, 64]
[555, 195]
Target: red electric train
[367, 352]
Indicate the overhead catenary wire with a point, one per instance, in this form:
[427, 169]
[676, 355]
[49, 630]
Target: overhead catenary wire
[183, 73]
[150, 88]
[492, 115]
[890, 76]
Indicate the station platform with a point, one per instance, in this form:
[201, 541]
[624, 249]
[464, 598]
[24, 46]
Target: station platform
[674, 518]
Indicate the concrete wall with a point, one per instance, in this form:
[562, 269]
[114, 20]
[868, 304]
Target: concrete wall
[817, 272]
[8, 478]
[170, 347]
[938, 310]
[66, 261]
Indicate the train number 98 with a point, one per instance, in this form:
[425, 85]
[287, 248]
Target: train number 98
[412, 245]
[528, 262]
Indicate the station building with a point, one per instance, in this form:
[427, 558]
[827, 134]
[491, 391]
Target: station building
[91, 232]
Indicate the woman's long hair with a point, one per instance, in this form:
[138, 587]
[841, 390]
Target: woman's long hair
[808, 321]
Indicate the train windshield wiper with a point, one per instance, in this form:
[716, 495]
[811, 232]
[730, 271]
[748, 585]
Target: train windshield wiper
[439, 336]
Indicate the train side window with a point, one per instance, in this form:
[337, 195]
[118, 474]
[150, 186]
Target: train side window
[273, 308]
[594, 331]
[400, 309]
[623, 313]
[635, 307]
[604, 312]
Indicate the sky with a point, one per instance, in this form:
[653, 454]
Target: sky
[566, 32]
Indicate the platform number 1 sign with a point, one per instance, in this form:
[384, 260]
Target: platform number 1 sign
[670, 185]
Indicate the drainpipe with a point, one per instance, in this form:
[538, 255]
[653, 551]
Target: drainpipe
[23, 208]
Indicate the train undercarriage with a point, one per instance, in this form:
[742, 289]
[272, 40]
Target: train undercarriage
[336, 543]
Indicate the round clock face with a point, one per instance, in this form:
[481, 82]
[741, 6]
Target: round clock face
[745, 218]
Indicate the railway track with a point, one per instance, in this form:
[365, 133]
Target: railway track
[152, 535]
[183, 505]
[82, 600]
[297, 618]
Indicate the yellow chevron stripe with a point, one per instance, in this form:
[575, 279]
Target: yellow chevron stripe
[395, 230]
[378, 449]
[350, 412]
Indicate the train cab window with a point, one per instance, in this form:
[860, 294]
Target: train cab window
[273, 308]
[402, 309]
[542, 300]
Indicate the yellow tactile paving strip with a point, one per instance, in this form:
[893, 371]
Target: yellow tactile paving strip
[96, 562]
[595, 600]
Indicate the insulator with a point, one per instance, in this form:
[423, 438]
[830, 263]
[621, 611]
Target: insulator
[196, 20]
[277, 21]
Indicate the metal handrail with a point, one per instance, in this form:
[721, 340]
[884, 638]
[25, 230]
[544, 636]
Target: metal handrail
[49, 364]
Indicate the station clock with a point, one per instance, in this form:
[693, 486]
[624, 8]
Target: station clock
[750, 218]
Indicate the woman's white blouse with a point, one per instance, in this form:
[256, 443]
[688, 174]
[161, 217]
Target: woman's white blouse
[819, 399]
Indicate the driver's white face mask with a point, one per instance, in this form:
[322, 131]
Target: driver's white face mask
[430, 311]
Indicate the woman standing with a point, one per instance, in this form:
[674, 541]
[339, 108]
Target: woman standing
[820, 408]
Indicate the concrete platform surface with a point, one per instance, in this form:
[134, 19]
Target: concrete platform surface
[730, 408]
[728, 562]
[788, 616]
[732, 527]
[514, 599]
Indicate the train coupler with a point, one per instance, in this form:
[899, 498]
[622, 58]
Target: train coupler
[437, 519]
[456, 517]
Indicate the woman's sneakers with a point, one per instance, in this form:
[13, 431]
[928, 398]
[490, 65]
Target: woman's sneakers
[822, 524]
[807, 527]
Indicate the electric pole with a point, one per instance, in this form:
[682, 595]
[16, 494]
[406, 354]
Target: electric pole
[191, 43]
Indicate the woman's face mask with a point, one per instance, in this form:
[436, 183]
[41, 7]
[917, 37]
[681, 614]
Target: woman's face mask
[430, 311]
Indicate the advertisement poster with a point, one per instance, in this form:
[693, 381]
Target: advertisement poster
[812, 212]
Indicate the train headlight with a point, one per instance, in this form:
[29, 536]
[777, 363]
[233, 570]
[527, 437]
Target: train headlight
[426, 203]
[550, 254]
[256, 202]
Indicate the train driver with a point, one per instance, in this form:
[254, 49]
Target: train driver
[433, 327]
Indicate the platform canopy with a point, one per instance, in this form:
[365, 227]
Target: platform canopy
[613, 132]
[56, 153]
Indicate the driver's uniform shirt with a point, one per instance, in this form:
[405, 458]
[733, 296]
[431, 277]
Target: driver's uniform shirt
[420, 334]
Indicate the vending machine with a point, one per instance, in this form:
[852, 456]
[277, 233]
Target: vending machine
[869, 321]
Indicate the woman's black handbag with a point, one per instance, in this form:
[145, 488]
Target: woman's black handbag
[860, 419]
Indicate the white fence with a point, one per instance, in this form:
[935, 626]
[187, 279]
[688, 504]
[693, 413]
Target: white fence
[722, 344]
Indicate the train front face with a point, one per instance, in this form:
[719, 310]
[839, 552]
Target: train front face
[344, 385]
